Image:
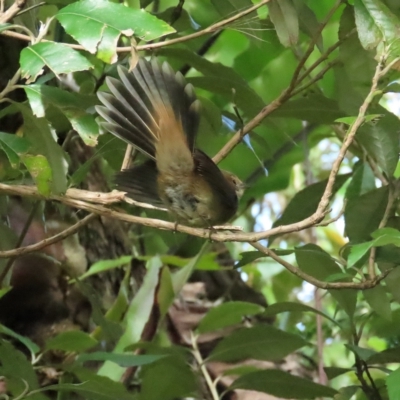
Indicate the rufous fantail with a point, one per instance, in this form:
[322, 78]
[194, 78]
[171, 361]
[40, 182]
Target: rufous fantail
[153, 109]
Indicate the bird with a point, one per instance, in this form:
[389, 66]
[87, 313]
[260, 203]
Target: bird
[153, 109]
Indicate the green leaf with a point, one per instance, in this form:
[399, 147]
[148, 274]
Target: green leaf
[92, 386]
[248, 257]
[362, 181]
[375, 22]
[284, 17]
[316, 262]
[40, 170]
[385, 356]
[57, 57]
[262, 342]
[381, 141]
[122, 359]
[98, 24]
[287, 306]
[378, 300]
[106, 265]
[364, 213]
[174, 380]
[282, 384]
[227, 314]
[362, 353]
[136, 317]
[305, 202]
[72, 105]
[13, 146]
[31, 346]
[393, 384]
[368, 32]
[15, 366]
[333, 372]
[313, 108]
[43, 142]
[71, 341]
[382, 237]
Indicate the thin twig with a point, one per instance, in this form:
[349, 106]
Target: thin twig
[200, 362]
[367, 284]
[12, 11]
[285, 95]
[19, 241]
[48, 241]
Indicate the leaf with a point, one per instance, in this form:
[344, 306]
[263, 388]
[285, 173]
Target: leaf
[227, 314]
[288, 306]
[282, 384]
[316, 262]
[15, 366]
[98, 24]
[362, 181]
[71, 341]
[248, 257]
[305, 202]
[375, 22]
[382, 237]
[378, 300]
[39, 168]
[122, 359]
[13, 146]
[333, 372]
[381, 141]
[284, 17]
[385, 356]
[313, 108]
[43, 142]
[393, 384]
[262, 342]
[57, 57]
[136, 317]
[72, 105]
[31, 346]
[92, 386]
[368, 32]
[105, 265]
[362, 353]
[174, 380]
[364, 213]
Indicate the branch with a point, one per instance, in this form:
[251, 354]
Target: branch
[12, 11]
[368, 284]
[285, 95]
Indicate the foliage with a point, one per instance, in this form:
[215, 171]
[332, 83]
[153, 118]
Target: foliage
[296, 99]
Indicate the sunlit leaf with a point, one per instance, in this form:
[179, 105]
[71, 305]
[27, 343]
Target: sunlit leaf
[59, 58]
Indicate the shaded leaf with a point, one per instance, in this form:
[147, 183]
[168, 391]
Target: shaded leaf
[305, 202]
[378, 300]
[393, 384]
[71, 341]
[43, 142]
[227, 314]
[105, 265]
[122, 359]
[13, 146]
[284, 16]
[282, 384]
[262, 342]
[287, 306]
[364, 213]
[72, 105]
